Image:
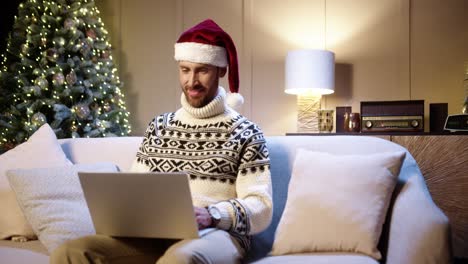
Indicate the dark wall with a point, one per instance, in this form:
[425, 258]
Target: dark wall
[8, 11]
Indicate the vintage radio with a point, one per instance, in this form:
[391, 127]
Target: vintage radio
[392, 116]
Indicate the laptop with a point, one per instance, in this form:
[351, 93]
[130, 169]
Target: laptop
[147, 205]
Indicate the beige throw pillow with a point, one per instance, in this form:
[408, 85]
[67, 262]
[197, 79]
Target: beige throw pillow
[40, 151]
[53, 202]
[337, 203]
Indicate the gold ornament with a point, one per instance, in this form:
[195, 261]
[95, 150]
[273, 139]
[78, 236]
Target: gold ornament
[82, 111]
[24, 49]
[38, 119]
[71, 78]
[59, 41]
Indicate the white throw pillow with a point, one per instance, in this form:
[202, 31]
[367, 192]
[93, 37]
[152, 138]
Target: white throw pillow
[53, 202]
[337, 203]
[42, 150]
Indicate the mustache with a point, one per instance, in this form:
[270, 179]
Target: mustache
[195, 87]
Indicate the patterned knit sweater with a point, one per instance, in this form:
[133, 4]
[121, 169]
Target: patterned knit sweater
[225, 155]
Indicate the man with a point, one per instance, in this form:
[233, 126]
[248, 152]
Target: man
[223, 152]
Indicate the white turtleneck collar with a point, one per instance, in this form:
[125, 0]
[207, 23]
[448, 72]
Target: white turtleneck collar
[215, 111]
[215, 107]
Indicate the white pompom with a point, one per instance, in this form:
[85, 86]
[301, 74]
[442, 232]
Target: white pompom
[235, 100]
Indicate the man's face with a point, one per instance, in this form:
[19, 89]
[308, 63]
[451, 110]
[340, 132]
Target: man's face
[199, 82]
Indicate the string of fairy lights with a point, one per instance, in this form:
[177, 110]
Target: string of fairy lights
[49, 64]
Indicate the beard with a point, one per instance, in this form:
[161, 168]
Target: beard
[198, 95]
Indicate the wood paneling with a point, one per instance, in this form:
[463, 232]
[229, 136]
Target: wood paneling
[385, 50]
[439, 48]
[443, 161]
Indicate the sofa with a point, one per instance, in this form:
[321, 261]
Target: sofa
[415, 230]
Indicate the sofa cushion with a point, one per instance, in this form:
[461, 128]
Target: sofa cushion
[31, 245]
[20, 255]
[52, 201]
[40, 151]
[337, 203]
[319, 258]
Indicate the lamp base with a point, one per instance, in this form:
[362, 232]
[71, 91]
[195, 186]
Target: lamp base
[307, 113]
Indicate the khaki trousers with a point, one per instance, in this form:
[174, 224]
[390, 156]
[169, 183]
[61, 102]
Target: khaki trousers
[215, 247]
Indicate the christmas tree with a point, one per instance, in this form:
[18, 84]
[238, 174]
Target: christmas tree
[58, 69]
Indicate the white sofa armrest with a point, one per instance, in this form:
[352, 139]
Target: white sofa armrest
[419, 231]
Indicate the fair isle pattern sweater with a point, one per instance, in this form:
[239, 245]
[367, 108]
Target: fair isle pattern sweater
[226, 157]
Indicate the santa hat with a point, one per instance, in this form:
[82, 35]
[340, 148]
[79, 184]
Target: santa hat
[208, 43]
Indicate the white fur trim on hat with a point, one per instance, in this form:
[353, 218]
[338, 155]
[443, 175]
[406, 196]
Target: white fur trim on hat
[201, 53]
[235, 101]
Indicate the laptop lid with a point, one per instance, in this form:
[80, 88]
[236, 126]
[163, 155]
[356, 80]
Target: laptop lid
[151, 205]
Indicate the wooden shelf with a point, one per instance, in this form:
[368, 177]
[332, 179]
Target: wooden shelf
[380, 134]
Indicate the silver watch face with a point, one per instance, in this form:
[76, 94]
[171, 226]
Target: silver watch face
[214, 212]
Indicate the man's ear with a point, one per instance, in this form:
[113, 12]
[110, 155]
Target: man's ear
[222, 72]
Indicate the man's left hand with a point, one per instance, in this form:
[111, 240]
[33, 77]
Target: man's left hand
[203, 217]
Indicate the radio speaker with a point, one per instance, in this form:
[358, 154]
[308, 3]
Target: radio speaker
[437, 116]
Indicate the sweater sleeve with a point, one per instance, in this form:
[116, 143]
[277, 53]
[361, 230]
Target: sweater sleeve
[140, 163]
[251, 211]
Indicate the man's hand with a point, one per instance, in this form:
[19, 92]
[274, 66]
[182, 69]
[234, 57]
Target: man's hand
[203, 217]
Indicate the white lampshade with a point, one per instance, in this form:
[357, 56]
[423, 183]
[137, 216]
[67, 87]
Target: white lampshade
[310, 71]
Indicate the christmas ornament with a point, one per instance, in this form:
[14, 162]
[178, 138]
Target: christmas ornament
[38, 119]
[94, 59]
[24, 49]
[52, 54]
[71, 78]
[59, 41]
[69, 23]
[41, 82]
[90, 33]
[58, 79]
[34, 20]
[82, 111]
[107, 107]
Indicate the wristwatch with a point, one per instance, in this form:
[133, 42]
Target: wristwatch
[215, 215]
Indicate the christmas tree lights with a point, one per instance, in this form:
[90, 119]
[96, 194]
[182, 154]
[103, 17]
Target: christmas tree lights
[58, 69]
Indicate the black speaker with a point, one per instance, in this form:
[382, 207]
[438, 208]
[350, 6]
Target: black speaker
[437, 116]
[340, 118]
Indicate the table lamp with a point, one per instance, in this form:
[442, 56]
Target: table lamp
[309, 74]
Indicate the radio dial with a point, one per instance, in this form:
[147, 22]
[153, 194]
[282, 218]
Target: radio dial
[369, 124]
[415, 123]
